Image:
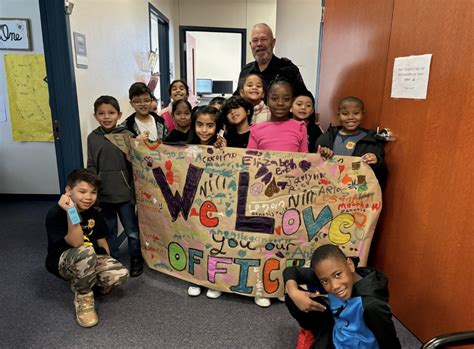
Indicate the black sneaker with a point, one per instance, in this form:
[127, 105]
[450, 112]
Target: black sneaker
[136, 265]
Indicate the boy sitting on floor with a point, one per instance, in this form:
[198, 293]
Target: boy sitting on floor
[356, 313]
[77, 248]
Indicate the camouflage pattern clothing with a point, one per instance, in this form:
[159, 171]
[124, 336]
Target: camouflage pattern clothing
[84, 269]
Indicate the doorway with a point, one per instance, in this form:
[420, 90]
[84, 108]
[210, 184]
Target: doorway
[159, 43]
[211, 58]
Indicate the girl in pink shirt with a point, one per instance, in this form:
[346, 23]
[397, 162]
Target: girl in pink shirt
[280, 133]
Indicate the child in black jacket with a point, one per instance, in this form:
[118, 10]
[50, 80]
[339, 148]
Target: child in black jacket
[144, 123]
[355, 313]
[352, 140]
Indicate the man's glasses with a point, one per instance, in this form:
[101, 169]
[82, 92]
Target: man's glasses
[141, 101]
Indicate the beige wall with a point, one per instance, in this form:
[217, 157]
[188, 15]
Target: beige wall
[297, 24]
[117, 48]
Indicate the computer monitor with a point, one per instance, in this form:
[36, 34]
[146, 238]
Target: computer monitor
[222, 87]
[203, 86]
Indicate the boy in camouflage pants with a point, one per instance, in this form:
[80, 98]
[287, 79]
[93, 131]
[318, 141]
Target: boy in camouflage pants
[78, 251]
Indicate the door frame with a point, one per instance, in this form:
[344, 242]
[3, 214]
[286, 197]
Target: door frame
[61, 87]
[163, 51]
[182, 43]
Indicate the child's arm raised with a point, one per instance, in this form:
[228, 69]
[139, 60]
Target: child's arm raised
[295, 276]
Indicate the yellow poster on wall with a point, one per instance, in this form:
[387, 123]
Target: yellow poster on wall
[28, 98]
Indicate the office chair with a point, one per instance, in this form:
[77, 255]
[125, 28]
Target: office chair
[450, 339]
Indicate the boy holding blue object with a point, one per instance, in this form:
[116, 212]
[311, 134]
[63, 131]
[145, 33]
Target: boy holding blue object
[355, 313]
[77, 247]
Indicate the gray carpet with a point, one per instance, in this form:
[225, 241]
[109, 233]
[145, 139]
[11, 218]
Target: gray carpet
[152, 310]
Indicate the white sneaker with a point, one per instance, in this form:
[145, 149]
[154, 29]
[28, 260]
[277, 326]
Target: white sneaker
[213, 294]
[281, 299]
[262, 302]
[194, 291]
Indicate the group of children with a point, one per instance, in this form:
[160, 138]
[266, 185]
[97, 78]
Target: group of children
[86, 251]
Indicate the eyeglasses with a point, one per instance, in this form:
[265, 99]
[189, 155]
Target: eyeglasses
[139, 101]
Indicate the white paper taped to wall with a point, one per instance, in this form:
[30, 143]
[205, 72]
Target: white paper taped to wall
[410, 76]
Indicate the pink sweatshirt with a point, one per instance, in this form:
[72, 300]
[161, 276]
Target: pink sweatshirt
[290, 135]
[169, 121]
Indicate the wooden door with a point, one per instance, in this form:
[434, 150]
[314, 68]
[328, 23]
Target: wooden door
[354, 56]
[426, 240]
[425, 237]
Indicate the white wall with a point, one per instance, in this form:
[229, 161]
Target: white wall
[298, 24]
[218, 56]
[117, 46]
[25, 167]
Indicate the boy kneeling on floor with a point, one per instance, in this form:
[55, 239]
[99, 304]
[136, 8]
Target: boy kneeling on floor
[355, 314]
[77, 245]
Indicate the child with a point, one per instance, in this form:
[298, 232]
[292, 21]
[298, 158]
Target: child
[217, 102]
[350, 139]
[144, 124]
[117, 195]
[237, 114]
[205, 126]
[280, 133]
[252, 88]
[181, 112]
[178, 90]
[303, 110]
[357, 314]
[78, 252]
[154, 104]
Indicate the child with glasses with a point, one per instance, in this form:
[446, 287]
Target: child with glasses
[144, 123]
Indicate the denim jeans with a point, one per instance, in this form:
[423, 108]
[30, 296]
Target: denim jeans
[128, 218]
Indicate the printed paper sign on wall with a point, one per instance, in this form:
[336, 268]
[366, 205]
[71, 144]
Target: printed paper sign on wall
[233, 219]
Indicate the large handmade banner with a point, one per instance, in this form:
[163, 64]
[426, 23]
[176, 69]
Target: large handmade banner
[233, 219]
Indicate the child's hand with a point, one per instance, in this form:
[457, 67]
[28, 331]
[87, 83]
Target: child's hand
[143, 136]
[221, 142]
[65, 202]
[369, 158]
[303, 301]
[325, 152]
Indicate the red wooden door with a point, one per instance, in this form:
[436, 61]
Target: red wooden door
[354, 56]
[425, 238]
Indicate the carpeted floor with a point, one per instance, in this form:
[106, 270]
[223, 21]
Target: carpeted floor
[152, 310]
